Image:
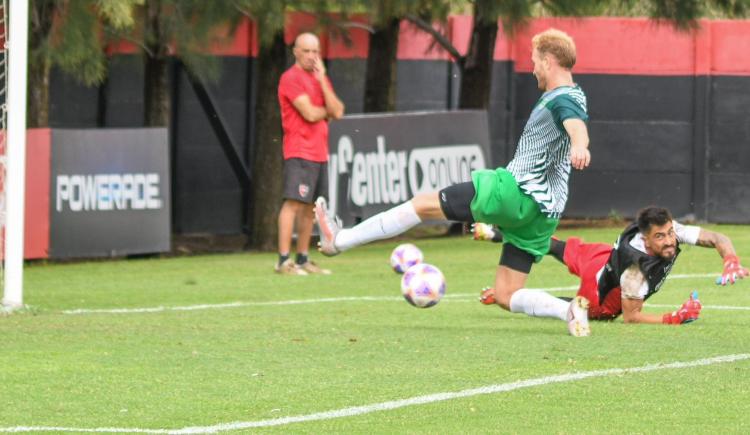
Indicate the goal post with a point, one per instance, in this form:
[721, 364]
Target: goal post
[16, 50]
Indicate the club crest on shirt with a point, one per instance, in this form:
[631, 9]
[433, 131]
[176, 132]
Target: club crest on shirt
[304, 189]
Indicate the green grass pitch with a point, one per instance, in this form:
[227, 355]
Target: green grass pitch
[240, 354]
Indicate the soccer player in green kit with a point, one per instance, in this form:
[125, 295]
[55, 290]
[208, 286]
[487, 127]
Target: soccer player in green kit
[525, 199]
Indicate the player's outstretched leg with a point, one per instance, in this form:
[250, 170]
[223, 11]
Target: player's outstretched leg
[384, 225]
[329, 228]
[578, 317]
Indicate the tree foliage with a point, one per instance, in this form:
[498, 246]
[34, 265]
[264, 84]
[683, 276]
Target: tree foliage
[385, 20]
[68, 34]
[683, 14]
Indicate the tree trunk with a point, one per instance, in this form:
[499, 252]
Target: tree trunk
[156, 92]
[476, 71]
[267, 156]
[380, 81]
[156, 78]
[37, 111]
[37, 105]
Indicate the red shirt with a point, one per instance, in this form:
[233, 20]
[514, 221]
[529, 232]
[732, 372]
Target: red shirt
[302, 139]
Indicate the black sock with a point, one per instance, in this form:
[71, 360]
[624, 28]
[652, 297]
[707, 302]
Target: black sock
[301, 258]
[557, 250]
[283, 258]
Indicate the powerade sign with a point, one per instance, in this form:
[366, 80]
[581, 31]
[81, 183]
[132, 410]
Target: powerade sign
[377, 161]
[110, 192]
[81, 192]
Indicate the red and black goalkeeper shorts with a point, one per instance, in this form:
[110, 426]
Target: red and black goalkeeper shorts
[585, 260]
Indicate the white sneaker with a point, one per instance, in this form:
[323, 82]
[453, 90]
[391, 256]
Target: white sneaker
[312, 267]
[578, 317]
[329, 227]
[289, 268]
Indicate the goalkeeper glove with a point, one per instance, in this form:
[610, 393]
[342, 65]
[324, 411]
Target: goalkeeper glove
[488, 296]
[483, 231]
[688, 312]
[732, 270]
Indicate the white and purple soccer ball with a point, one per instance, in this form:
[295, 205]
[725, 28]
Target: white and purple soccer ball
[423, 285]
[405, 256]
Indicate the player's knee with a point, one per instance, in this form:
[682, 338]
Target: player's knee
[427, 206]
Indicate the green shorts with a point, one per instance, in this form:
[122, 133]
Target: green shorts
[499, 200]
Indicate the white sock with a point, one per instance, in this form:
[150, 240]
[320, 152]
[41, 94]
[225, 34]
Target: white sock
[383, 225]
[538, 304]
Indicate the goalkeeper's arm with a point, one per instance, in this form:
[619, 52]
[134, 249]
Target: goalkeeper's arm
[733, 270]
[688, 312]
[634, 287]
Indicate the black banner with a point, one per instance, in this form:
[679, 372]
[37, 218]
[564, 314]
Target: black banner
[378, 161]
[109, 192]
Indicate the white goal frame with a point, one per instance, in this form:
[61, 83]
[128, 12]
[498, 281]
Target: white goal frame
[15, 188]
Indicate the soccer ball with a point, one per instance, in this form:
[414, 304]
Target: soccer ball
[423, 285]
[405, 256]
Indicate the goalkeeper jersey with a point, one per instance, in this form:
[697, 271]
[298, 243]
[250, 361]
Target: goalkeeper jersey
[541, 164]
[624, 254]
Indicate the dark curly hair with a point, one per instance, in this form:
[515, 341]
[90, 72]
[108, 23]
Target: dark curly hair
[652, 215]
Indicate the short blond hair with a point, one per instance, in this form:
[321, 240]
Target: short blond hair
[557, 43]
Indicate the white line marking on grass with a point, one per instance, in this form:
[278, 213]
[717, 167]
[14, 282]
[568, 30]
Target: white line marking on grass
[162, 308]
[693, 275]
[395, 404]
[228, 305]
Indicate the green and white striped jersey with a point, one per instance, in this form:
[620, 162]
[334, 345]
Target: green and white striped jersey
[541, 165]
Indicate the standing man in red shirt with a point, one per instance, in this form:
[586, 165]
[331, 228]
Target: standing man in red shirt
[307, 102]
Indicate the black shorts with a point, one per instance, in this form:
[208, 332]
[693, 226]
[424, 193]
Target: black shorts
[305, 180]
[455, 201]
[516, 259]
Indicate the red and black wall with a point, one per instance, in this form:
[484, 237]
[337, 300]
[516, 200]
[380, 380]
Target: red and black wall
[669, 112]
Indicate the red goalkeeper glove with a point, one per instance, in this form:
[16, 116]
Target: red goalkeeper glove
[688, 312]
[732, 270]
[488, 296]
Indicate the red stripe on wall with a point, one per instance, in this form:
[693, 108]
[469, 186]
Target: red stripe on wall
[616, 46]
[415, 44]
[357, 41]
[730, 43]
[121, 47]
[300, 22]
[242, 43]
[636, 46]
[36, 221]
[461, 37]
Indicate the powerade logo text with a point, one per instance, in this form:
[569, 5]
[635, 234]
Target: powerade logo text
[392, 177]
[108, 192]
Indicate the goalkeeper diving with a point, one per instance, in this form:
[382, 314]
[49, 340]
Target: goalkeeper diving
[617, 280]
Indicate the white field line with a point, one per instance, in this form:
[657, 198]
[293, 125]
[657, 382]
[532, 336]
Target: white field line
[161, 308]
[395, 404]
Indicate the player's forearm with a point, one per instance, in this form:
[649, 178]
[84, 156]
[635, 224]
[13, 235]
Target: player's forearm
[334, 106]
[314, 113]
[722, 243]
[320, 115]
[639, 317]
